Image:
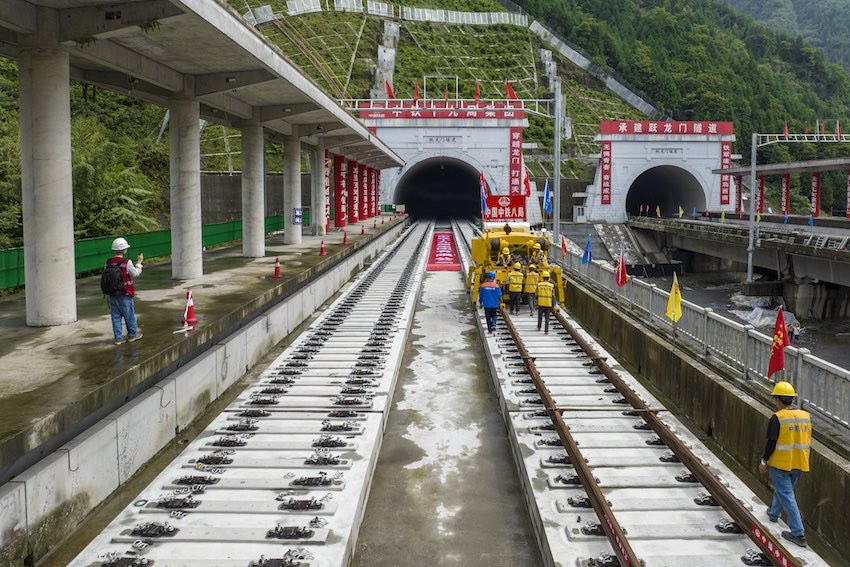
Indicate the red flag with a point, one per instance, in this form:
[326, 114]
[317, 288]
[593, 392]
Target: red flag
[526, 181]
[785, 131]
[389, 89]
[837, 129]
[477, 92]
[563, 245]
[777, 348]
[415, 91]
[621, 278]
[510, 92]
[484, 190]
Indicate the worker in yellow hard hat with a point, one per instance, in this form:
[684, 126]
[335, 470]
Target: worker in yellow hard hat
[505, 259]
[786, 458]
[538, 256]
[546, 300]
[515, 279]
[529, 287]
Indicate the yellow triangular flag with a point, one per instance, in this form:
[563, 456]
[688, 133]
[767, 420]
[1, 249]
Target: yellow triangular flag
[681, 212]
[657, 211]
[758, 217]
[674, 304]
[722, 216]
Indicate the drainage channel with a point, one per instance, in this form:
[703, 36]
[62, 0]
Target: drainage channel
[280, 478]
[604, 485]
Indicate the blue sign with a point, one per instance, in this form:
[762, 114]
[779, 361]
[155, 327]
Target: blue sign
[296, 215]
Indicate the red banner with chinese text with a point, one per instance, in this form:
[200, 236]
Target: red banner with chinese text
[760, 195]
[353, 192]
[515, 162]
[786, 194]
[443, 256]
[739, 194]
[365, 212]
[327, 191]
[725, 163]
[816, 187]
[667, 128]
[605, 174]
[340, 192]
[505, 208]
[847, 213]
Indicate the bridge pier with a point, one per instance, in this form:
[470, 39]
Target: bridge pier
[253, 191]
[48, 212]
[185, 166]
[291, 186]
[821, 300]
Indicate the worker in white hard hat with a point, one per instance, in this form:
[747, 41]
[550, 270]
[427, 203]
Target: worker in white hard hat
[786, 458]
[116, 282]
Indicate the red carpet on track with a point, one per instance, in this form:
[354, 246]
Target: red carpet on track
[443, 256]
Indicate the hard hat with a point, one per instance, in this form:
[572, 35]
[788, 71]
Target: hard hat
[537, 246]
[120, 244]
[532, 267]
[505, 250]
[491, 274]
[517, 266]
[783, 389]
[544, 274]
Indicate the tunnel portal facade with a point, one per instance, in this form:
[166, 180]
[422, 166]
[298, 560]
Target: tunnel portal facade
[649, 166]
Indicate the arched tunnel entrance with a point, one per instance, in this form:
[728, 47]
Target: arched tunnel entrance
[440, 188]
[668, 187]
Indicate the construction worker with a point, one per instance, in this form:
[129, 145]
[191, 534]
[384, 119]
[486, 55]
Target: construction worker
[490, 297]
[538, 256]
[545, 300]
[505, 259]
[515, 279]
[786, 458]
[529, 287]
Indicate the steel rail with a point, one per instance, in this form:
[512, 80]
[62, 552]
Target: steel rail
[749, 524]
[613, 531]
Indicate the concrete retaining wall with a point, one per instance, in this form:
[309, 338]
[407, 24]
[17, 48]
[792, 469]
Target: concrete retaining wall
[50, 499]
[733, 419]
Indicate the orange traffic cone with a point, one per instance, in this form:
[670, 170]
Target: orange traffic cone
[276, 274]
[362, 229]
[345, 237]
[374, 223]
[189, 313]
[382, 219]
[322, 249]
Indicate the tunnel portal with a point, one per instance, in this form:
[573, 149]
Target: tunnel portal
[440, 188]
[667, 187]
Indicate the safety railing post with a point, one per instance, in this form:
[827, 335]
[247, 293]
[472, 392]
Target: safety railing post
[746, 355]
[705, 313]
[652, 289]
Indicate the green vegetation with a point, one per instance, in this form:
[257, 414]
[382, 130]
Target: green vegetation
[821, 23]
[702, 60]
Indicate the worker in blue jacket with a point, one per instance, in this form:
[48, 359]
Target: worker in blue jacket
[490, 297]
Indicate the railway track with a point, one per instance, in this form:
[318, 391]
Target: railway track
[280, 478]
[611, 477]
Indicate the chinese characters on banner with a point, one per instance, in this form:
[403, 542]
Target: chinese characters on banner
[668, 128]
[605, 175]
[786, 194]
[847, 213]
[453, 110]
[816, 185]
[365, 211]
[739, 195]
[505, 208]
[353, 191]
[760, 195]
[725, 163]
[340, 192]
[515, 163]
[327, 190]
[373, 202]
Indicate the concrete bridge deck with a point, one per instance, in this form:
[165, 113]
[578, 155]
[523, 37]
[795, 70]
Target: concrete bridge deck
[55, 381]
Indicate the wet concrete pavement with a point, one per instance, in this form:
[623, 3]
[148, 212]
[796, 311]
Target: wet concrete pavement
[445, 490]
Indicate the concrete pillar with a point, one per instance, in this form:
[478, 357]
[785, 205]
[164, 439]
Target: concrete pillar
[340, 193]
[48, 211]
[318, 183]
[353, 192]
[292, 188]
[253, 192]
[185, 153]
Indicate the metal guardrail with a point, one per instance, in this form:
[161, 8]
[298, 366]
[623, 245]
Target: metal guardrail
[822, 387]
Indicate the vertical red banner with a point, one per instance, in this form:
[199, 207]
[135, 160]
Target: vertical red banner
[847, 213]
[340, 192]
[327, 191]
[373, 193]
[378, 197]
[725, 163]
[816, 185]
[353, 191]
[760, 195]
[605, 174]
[365, 212]
[515, 163]
[739, 195]
[786, 194]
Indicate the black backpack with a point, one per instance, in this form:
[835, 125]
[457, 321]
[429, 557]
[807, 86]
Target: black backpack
[112, 280]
